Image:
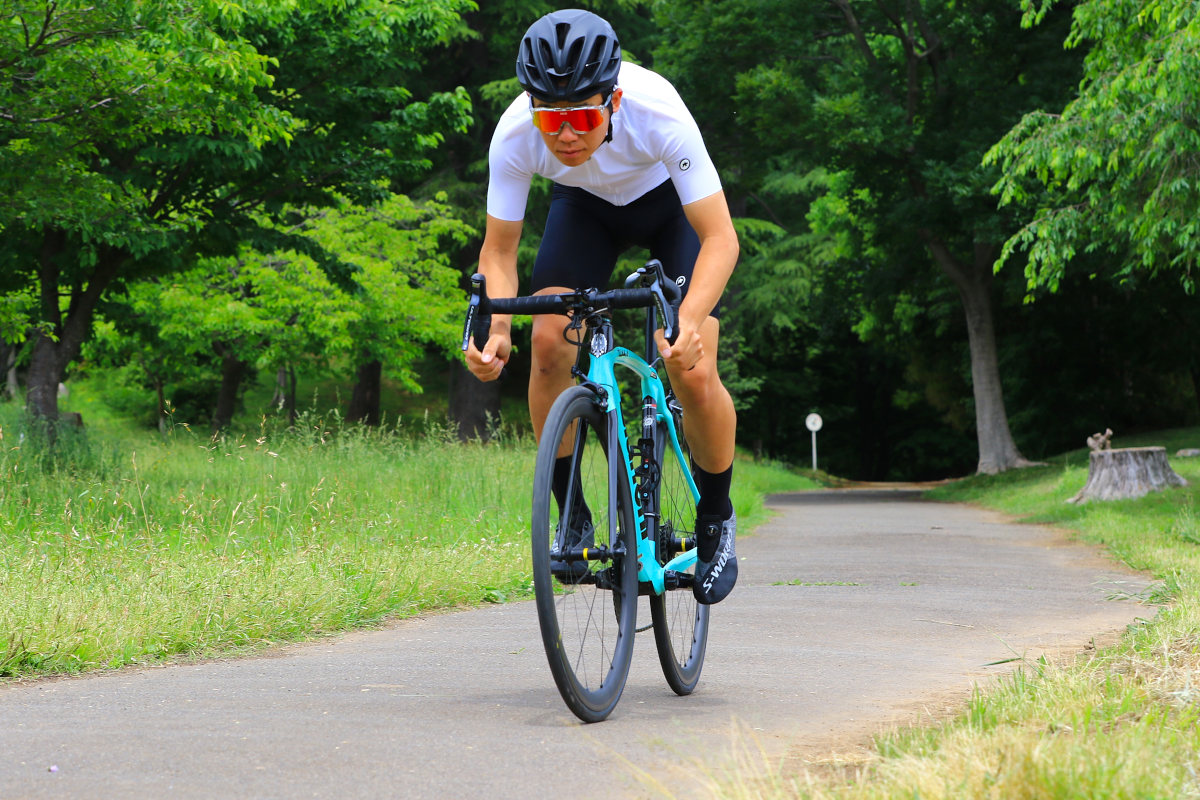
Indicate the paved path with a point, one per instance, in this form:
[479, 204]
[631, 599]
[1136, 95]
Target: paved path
[854, 609]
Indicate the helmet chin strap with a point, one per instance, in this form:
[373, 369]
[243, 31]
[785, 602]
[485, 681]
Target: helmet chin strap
[611, 111]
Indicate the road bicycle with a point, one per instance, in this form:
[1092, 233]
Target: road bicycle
[624, 523]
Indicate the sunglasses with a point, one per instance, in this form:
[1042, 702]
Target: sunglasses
[550, 120]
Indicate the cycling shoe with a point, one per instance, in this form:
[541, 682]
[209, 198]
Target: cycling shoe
[716, 561]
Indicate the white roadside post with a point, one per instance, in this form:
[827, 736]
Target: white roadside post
[813, 423]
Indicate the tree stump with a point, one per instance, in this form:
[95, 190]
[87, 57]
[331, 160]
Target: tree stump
[1126, 473]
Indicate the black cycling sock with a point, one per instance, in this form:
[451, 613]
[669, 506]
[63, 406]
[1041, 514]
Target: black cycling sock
[562, 476]
[559, 485]
[714, 493]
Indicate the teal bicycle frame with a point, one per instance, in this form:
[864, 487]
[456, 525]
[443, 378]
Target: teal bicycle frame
[602, 374]
[601, 378]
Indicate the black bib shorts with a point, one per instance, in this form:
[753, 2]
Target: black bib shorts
[585, 235]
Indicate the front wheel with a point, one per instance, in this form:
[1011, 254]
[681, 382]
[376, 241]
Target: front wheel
[680, 623]
[584, 559]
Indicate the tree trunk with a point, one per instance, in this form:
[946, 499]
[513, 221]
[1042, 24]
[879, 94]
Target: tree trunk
[997, 450]
[1127, 473]
[364, 402]
[472, 403]
[163, 425]
[290, 399]
[41, 396]
[233, 370]
[280, 395]
[53, 354]
[8, 368]
[285, 392]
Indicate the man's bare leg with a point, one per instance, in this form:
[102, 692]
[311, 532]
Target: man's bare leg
[710, 423]
[550, 369]
[710, 417]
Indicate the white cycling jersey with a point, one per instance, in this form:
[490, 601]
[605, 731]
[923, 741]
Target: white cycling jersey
[654, 138]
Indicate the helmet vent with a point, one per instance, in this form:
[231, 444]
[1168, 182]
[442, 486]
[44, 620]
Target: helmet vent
[574, 57]
[547, 53]
[592, 66]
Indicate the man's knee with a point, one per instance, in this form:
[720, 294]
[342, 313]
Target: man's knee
[551, 353]
[699, 385]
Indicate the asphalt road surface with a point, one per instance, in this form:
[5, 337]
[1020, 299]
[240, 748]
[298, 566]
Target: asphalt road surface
[855, 610]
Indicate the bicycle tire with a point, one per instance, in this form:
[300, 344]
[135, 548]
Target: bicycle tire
[680, 623]
[587, 620]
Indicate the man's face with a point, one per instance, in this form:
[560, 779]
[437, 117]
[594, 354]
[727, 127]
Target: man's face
[571, 147]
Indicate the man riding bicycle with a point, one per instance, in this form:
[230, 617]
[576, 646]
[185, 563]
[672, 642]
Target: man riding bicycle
[629, 167]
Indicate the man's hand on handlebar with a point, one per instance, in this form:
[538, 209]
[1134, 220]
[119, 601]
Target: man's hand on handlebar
[687, 351]
[657, 292]
[488, 365]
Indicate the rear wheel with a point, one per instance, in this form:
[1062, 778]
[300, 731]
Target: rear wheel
[680, 623]
[586, 602]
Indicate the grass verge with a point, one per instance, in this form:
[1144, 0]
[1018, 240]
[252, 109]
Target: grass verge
[133, 548]
[1121, 722]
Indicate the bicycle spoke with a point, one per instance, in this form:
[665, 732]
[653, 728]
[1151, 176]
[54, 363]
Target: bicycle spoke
[586, 625]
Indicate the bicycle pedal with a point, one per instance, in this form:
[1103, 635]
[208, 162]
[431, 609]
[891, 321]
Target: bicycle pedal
[678, 580]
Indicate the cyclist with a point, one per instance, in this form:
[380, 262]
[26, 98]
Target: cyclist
[629, 167]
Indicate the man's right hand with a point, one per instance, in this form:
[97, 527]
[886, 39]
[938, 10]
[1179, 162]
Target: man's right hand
[488, 365]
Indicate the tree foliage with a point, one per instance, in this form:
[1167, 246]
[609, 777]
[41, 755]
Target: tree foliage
[277, 309]
[137, 136]
[1117, 169]
[857, 129]
[227, 185]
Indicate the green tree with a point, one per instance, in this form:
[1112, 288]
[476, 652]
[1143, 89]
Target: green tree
[235, 316]
[405, 296]
[15, 314]
[242, 313]
[129, 355]
[887, 110]
[1117, 170]
[135, 137]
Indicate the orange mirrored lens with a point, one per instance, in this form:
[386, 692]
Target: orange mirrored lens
[581, 120]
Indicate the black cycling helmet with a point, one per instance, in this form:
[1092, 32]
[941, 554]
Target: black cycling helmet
[569, 55]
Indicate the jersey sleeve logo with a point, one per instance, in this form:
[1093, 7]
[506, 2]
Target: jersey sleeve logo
[685, 164]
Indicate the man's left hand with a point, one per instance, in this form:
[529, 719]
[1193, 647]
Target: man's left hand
[687, 351]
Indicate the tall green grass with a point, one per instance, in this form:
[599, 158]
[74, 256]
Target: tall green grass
[119, 549]
[187, 545]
